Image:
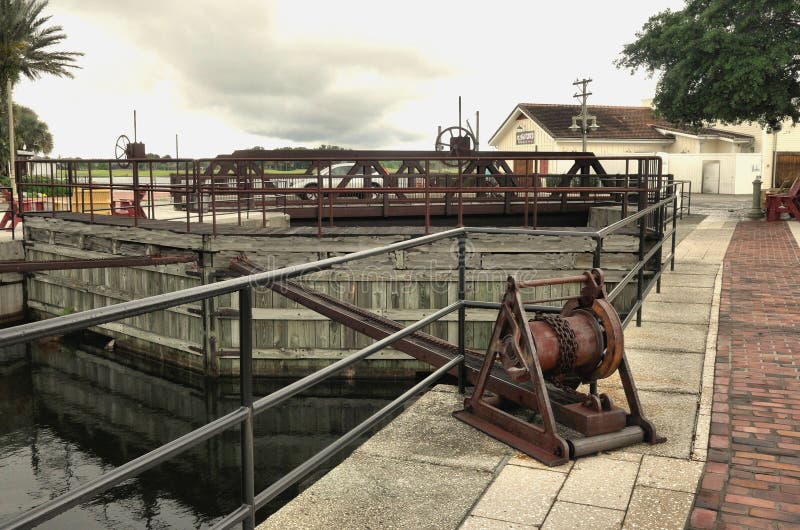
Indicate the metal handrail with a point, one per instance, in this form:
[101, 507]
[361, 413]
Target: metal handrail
[103, 315]
[86, 491]
[196, 190]
[249, 408]
[300, 471]
[279, 396]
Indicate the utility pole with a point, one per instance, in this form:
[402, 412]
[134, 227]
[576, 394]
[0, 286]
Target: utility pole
[587, 121]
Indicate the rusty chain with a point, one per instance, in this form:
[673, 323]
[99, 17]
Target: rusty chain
[567, 342]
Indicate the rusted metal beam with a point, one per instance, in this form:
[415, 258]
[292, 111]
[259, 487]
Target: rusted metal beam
[325, 155]
[568, 346]
[422, 346]
[99, 263]
[438, 352]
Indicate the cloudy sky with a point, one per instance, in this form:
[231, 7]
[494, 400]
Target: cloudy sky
[360, 74]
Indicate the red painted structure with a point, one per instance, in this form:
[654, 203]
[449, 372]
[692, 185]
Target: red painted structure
[784, 203]
[389, 185]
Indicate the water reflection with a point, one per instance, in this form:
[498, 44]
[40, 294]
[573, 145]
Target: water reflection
[66, 416]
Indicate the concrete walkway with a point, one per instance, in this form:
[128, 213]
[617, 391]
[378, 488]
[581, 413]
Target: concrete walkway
[428, 470]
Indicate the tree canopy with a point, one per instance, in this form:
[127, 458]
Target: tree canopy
[723, 60]
[26, 42]
[31, 132]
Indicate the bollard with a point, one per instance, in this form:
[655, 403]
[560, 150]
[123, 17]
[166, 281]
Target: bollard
[756, 212]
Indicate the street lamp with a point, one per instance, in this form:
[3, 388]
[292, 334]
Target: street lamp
[587, 121]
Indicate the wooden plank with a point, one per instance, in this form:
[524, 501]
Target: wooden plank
[382, 284]
[11, 301]
[122, 231]
[73, 292]
[127, 330]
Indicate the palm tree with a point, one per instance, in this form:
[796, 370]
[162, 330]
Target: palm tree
[25, 41]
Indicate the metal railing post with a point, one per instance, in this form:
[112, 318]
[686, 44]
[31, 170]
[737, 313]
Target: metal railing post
[460, 195]
[675, 223]
[527, 179]
[661, 215]
[91, 195]
[240, 183]
[246, 395]
[598, 250]
[213, 180]
[187, 196]
[151, 196]
[689, 206]
[427, 197]
[537, 182]
[197, 192]
[137, 202]
[111, 208]
[462, 310]
[319, 197]
[642, 233]
[12, 203]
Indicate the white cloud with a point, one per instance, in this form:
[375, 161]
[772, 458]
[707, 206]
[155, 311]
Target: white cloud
[228, 75]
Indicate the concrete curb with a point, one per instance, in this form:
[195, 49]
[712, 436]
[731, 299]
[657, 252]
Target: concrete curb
[700, 445]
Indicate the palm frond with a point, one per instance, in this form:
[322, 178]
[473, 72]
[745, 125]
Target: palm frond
[26, 42]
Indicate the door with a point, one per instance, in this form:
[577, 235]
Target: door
[710, 176]
[787, 168]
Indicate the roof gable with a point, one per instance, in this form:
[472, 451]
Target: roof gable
[707, 131]
[615, 123]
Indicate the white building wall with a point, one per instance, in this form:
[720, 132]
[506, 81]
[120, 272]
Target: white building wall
[718, 146]
[612, 148]
[748, 168]
[684, 144]
[736, 170]
[787, 140]
[753, 129]
[684, 157]
[508, 138]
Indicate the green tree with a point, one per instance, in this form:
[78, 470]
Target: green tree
[29, 131]
[726, 60]
[26, 42]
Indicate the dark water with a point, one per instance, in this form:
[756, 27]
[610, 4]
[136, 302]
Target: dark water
[67, 416]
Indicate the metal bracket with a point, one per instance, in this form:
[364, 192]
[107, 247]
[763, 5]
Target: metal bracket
[539, 441]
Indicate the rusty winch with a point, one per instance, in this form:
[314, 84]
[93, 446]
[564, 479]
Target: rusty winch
[550, 355]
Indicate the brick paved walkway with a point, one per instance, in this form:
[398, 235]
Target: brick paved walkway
[752, 476]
